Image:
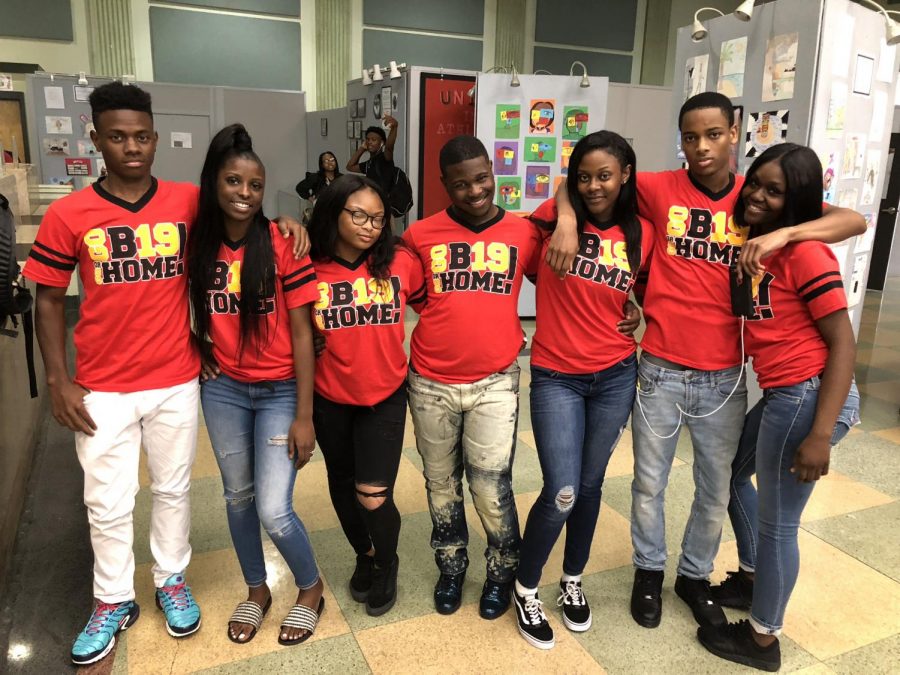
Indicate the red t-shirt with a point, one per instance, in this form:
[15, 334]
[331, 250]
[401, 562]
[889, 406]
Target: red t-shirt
[134, 331]
[576, 317]
[802, 283]
[295, 285]
[687, 304]
[364, 361]
[469, 328]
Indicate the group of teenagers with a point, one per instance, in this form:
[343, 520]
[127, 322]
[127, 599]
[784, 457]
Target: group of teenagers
[298, 337]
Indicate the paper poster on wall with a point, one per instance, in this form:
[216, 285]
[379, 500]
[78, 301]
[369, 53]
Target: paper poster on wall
[537, 182]
[85, 147]
[77, 166]
[575, 118]
[765, 129]
[885, 70]
[508, 121]
[81, 92]
[386, 108]
[87, 126]
[361, 109]
[734, 151]
[541, 117]
[6, 83]
[847, 198]
[58, 125]
[558, 182]
[862, 78]
[870, 179]
[509, 193]
[780, 67]
[854, 149]
[732, 59]
[830, 163]
[879, 115]
[506, 158]
[695, 75]
[351, 129]
[864, 241]
[54, 98]
[61, 180]
[842, 43]
[840, 252]
[854, 294]
[564, 153]
[182, 139]
[540, 149]
[55, 146]
[351, 108]
[837, 110]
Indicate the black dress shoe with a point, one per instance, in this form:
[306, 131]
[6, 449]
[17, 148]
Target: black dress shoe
[494, 599]
[448, 592]
[696, 594]
[646, 597]
[383, 593]
[735, 642]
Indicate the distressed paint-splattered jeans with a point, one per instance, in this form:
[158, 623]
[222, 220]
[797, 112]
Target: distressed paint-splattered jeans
[248, 424]
[471, 428]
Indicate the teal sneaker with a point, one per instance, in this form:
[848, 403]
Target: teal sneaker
[177, 603]
[99, 635]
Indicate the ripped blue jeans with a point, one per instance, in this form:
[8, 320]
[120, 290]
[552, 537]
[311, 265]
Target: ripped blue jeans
[471, 428]
[577, 421]
[248, 425]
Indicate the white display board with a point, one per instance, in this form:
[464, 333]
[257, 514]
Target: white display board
[530, 130]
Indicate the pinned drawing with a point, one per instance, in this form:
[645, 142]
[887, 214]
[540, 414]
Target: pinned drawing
[854, 149]
[575, 120]
[732, 59]
[837, 110]
[695, 75]
[780, 68]
[509, 193]
[506, 158]
[540, 149]
[537, 182]
[565, 152]
[541, 116]
[508, 121]
[765, 129]
[870, 179]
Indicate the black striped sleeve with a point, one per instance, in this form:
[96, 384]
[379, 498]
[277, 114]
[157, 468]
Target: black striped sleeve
[824, 288]
[298, 272]
[50, 262]
[56, 253]
[418, 296]
[821, 277]
[298, 282]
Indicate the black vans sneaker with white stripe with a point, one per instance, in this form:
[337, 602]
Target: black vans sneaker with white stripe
[576, 611]
[532, 621]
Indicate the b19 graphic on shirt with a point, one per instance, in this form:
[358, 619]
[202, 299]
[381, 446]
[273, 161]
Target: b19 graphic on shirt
[603, 261]
[762, 301]
[699, 234]
[361, 302]
[123, 254]
[483, 266]
[224, 295]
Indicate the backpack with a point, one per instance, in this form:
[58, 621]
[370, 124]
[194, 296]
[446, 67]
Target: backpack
[15, 298]
[400, 195]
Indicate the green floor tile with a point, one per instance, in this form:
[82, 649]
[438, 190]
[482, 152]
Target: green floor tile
[877, 414]
[870, 460]
[880, 658]
[338, 655]
[870, 536]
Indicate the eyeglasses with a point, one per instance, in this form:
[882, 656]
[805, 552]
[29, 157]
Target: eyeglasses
[360, 218]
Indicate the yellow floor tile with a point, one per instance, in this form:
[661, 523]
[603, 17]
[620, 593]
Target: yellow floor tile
[466, 643]
[204, 465]
[818, 669]
[527, 436]
[839, 604]
[409, 433]
[409, 491]
[215, 579]
[611, 547]
[312, 500]
[887, 391]
[892, 435]
[837, 494]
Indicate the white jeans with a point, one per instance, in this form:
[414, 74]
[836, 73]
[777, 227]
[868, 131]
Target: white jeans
[164, 421]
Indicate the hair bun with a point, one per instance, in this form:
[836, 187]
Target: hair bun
[241, 139]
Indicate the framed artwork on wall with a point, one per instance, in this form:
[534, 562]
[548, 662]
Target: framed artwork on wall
[13, 127]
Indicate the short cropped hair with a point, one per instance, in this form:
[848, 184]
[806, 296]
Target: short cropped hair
[118, 96]
[708, 99]
[459, 149]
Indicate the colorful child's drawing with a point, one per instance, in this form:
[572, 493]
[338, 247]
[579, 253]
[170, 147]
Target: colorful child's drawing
[564, 153]
[540, 149]
[540, 120]
[506, 158]
[537, 182]
[508, 120]
[509, 193]
[575, 122]
[557, 182]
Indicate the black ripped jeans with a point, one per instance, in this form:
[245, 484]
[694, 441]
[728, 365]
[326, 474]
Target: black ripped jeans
[361, 446]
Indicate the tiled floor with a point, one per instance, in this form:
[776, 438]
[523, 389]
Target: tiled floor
[844, 616]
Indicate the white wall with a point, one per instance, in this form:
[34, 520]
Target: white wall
[54, 56]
